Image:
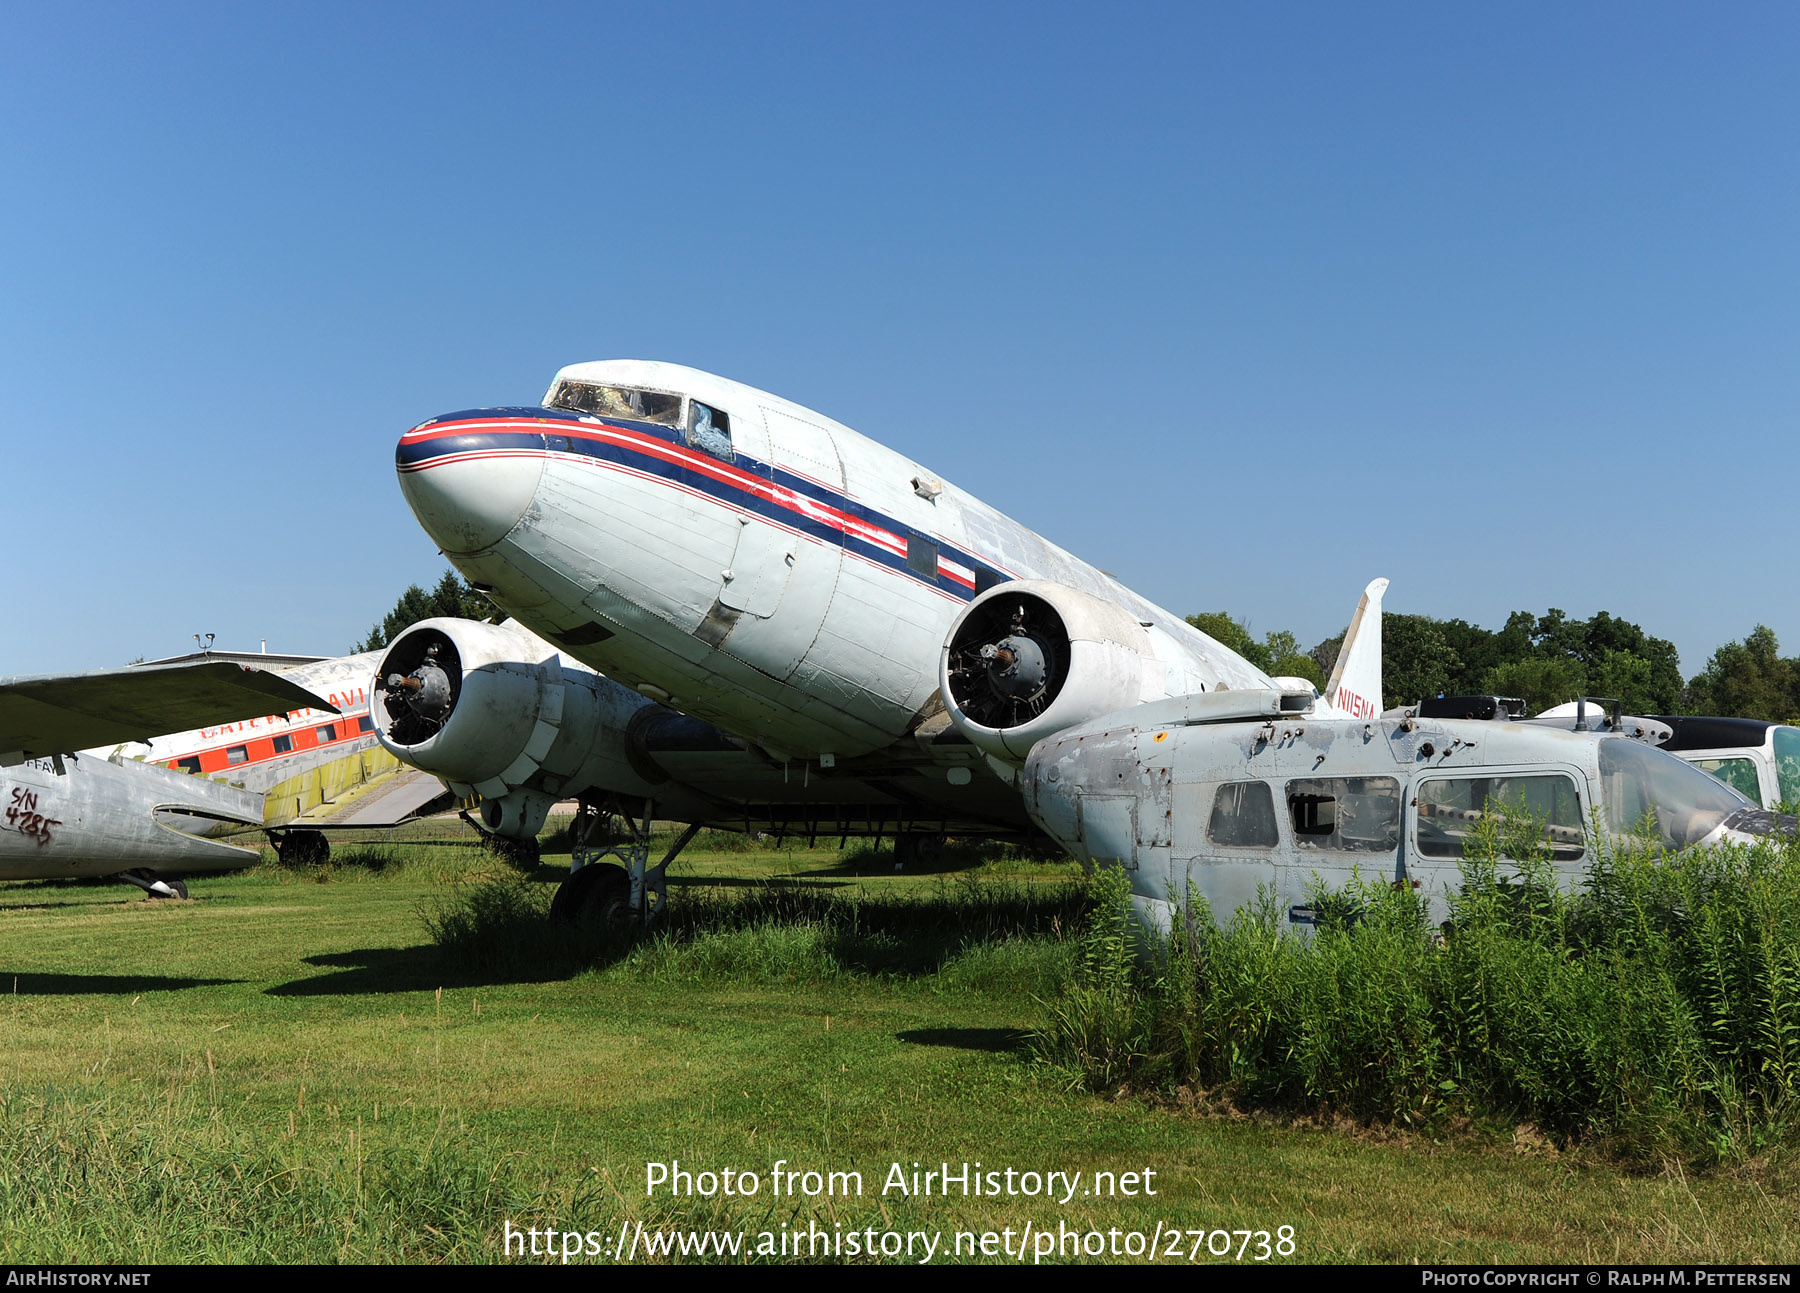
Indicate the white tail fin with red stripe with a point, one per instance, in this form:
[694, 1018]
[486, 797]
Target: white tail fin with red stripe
[1355, 686]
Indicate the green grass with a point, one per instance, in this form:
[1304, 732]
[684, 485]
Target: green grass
[289, 1068]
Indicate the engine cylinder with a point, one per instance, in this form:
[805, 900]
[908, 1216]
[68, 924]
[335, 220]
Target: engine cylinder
[1029, 658]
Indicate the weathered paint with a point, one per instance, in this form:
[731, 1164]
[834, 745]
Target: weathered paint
[1139, 790]
[89, 817]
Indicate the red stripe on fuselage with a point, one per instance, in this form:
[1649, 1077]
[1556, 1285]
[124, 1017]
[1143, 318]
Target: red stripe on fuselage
[652, 447]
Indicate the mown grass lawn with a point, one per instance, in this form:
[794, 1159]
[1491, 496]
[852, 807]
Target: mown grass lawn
[286, 1068]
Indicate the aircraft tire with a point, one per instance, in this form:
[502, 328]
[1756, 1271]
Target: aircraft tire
[303, 848]
[920, 849]
[596, 897]
[179, 886]
[522, 854]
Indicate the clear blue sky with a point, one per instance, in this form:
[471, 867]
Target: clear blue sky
[1246, 304]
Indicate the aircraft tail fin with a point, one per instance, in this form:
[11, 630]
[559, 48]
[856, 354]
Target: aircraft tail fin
[1355, 686]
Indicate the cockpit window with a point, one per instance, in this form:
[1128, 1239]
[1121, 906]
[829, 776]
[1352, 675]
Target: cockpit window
[709, 429]
[616, 402]
[1739, 774]
[1653, 791]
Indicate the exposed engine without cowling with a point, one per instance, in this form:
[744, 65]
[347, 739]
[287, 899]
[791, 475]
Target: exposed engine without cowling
[1030, 658]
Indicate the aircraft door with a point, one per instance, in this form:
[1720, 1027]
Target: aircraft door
[785, 570]
[1154, 829]
[1452, 814]
[1109, 831]
[759, 570]
[1225, 841]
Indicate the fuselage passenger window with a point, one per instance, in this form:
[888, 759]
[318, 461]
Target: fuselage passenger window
[922, 555]
[1243, 816]
[283, 744]
[1346, 814]
[1544, 810]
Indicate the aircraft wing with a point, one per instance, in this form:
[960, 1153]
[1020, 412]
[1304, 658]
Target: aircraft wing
[57, 713]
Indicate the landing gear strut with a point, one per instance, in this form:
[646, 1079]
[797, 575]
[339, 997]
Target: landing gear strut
[632, 895]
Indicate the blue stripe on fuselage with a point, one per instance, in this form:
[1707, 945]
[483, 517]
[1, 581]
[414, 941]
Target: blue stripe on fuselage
[550, 439]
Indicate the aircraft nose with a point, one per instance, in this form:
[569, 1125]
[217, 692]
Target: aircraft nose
[470, 478]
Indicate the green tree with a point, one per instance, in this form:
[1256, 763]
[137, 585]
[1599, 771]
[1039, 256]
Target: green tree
[1417, 660]
[1277, 655]
[1748, 679]
[1629, 677]
[1287, 660]
[1538, 681]
[1543, 659]
[451, 597]
[1227, 631]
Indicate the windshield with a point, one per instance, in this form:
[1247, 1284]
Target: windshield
[616, 402]
[1787, 764]
[1673, 801]
[1739, 774]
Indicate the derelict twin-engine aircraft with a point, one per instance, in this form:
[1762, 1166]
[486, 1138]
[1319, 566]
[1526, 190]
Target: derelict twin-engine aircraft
[66, 811]
[818, 633]
[301, 762]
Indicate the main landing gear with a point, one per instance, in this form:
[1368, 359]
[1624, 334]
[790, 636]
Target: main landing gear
[301, 847]
[608, 895]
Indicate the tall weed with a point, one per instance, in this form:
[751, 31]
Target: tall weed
[1656, 1010]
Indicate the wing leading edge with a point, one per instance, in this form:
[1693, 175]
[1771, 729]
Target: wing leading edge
[58, 713]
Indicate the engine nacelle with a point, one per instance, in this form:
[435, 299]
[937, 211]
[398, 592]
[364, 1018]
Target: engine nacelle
[491, 710]
[1029, 658]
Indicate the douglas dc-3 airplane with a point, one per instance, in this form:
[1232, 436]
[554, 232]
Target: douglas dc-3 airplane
[741, 612]
[66, 811]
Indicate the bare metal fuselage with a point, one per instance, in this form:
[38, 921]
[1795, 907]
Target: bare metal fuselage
[91, 817]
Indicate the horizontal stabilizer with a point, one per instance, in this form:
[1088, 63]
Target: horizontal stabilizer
[60, 713]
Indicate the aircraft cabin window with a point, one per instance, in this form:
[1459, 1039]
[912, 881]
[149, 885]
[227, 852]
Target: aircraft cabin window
[1547, 807]
[365, 724]
[190, 765]
[328, 734]
[616, 402]
[237, 754]
[1345, 814]
[1243, 816]
[709, 429]
[283, 744]
[922, 555]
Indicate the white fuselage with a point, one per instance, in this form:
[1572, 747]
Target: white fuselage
[792, 583]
